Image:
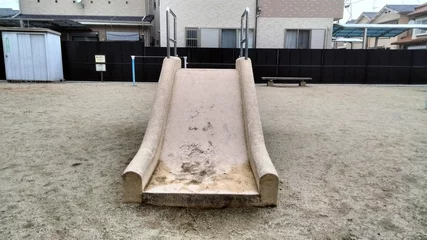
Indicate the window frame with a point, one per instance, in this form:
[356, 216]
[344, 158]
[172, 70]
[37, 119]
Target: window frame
[197, 39]
[420, 32]
[220, 36]
[298, 30]
[237, 36]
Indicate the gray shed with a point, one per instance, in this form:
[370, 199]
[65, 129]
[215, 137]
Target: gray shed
[32, 54]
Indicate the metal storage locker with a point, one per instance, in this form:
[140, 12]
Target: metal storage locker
[32, 54]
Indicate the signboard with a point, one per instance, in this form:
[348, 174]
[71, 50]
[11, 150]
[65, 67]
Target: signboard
[100, 64]
[101, 68]
[7, 45]
[100, 58]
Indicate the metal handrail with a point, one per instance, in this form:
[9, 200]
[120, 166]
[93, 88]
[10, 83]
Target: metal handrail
[169, 11]
[244, 15]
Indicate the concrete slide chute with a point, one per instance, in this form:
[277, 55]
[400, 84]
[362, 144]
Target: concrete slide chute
[204, 145]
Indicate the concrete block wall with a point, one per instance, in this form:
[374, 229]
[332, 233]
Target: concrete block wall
[271, 31]
[97, 7]
[204, 14]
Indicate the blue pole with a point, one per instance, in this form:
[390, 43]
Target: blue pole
[133, 71]
[425, 106]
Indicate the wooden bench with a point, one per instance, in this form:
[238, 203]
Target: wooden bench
[302, 80]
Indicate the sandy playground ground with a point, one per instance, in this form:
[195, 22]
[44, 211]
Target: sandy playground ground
[352, 162]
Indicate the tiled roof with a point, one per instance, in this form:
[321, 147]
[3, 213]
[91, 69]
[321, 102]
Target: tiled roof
[57, 25]
[402, 8]
[8, 12]
[148, 18]
[420, 10]
[409, 41]
[370, 14]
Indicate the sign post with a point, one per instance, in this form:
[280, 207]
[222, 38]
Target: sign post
[100, 65]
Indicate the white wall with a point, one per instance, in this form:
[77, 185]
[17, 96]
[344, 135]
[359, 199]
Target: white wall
[271, 31]
[204, 14]
[97, 7]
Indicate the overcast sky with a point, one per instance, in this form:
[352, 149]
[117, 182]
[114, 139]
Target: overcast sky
[9, 4]
[359, 6]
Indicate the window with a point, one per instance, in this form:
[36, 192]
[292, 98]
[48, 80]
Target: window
[250, 38]
[297, 39]
[222, 38]
[228, 38]
[317, 38]
[209, 37]
[191, 37]
[421, 31]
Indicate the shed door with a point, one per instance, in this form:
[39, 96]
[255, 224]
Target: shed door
[38, 54]
[11, 56]
[25, 57]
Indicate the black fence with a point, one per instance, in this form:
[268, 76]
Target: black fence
[323, 65]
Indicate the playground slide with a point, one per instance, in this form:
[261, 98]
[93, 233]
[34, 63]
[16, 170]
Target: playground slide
[204, 145]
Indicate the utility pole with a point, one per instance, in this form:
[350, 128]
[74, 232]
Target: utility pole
[349, 7]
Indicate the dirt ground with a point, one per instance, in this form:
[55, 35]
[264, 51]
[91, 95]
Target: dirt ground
[352, 162]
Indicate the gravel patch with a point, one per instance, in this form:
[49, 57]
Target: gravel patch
[352, 160]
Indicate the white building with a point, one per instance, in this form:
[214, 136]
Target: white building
[272, 23]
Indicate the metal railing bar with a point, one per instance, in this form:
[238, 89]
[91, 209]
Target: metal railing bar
[169, 39]
[245, 40]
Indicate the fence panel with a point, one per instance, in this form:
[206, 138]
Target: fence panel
[323, 65]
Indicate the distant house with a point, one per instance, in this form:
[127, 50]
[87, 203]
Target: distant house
[88, 20]
[201, 23]
[365, 17]
[418, 38]
[391, 14]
